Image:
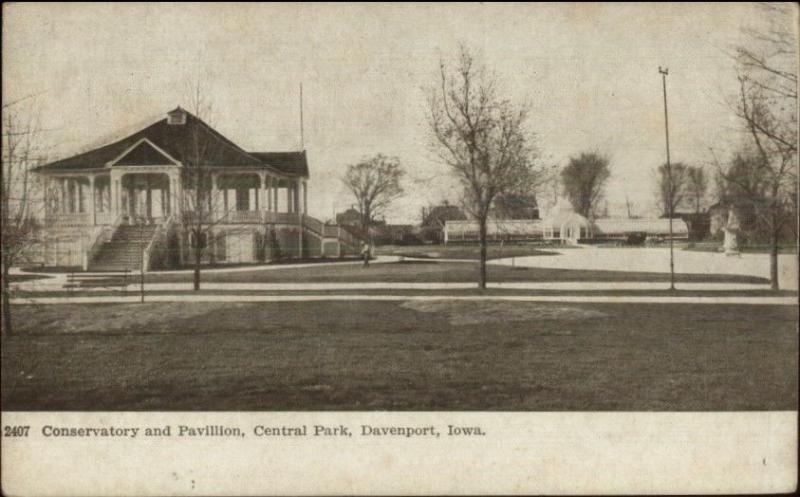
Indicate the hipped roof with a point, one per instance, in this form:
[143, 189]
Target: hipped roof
[193, 142]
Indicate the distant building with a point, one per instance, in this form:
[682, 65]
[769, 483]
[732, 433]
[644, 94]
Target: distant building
[566, 226]
[435, 218]
[350, 217]
[626, 229]
[395, 234]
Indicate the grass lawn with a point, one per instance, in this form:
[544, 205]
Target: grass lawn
[753, 249]
[433, 271]
[403, 355]
[471, 251]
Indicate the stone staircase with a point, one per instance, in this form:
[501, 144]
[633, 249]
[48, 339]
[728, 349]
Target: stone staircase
[346, 243]
[124, 250]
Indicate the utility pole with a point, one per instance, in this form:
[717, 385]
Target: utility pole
[302, 142]
[664, 73]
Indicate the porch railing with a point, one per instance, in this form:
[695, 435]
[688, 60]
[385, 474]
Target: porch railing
[71, 219]
[243, 217]
[281, 217]
[191, 217]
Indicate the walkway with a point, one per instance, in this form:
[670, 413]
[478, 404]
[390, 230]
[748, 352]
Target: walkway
[51, 282]
[134, 286]
[656, 260]
[787, 301]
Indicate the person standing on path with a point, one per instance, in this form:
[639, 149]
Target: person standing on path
[365, 253]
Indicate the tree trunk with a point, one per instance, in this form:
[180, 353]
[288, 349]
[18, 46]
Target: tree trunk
[197, 256]
[366, 216]
[773, 254]
[482, 270]
[198, 202]
[6, 300]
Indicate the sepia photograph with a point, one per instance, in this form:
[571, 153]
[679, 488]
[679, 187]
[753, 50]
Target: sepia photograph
[412, 210]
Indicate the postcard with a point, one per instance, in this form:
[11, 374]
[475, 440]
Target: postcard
[426, 249]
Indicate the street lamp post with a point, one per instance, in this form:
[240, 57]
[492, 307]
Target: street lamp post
[664, 73]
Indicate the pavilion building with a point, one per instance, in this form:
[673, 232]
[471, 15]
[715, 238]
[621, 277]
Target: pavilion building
[135, 204]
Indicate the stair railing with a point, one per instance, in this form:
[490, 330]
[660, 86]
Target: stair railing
[348, 238]
[314, 225]
[158, 237]
[100, 236]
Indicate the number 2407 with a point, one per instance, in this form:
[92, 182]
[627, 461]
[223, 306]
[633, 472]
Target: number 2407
[15, 431]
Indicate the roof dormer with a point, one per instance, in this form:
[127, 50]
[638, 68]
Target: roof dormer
[176, 117]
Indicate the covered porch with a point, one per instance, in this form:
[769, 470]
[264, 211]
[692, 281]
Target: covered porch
[151, 196]
[109, 197]
[78, 200]
[247, 198]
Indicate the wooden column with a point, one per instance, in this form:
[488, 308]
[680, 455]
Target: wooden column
[92, 195]
[297, 203]
[75, 194]
[175, 193]
[268, 193]
[167, 202]
[261, 192]
[214, 197]
[305, 196]
[148, 199]
[113, 186]
[62, 196]
[46, 197]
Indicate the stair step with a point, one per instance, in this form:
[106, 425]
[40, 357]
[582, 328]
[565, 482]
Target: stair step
[125, 249]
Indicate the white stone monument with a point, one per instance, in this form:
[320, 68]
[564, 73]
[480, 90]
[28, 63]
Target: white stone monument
[732, 228]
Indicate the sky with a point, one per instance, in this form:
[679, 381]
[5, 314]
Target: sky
[588, 71]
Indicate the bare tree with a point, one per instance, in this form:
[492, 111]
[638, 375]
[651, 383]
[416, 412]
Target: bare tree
[630, 208]
[548, 189]
[375, 184]
[20, 228]
[483, 138]
[766, 104]
[517, 205]
[583, 180]
[198, 206]
[696, 186]
[671, 191]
